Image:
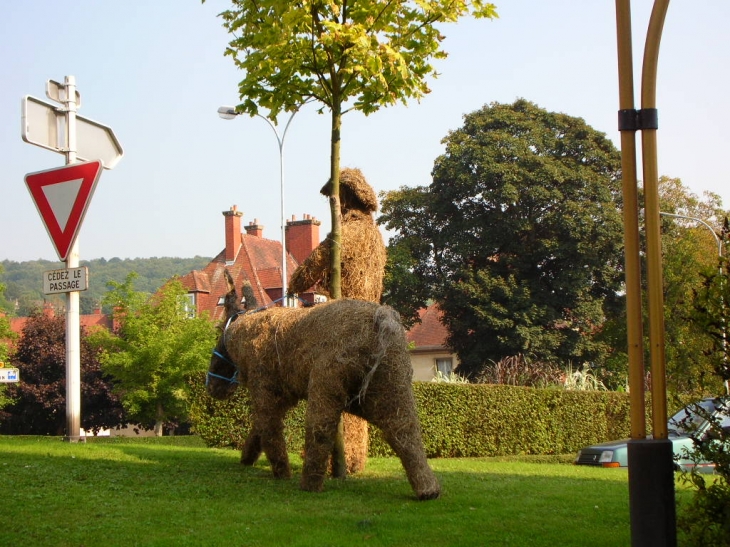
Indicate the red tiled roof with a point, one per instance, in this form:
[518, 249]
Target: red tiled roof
[270, 278]
[258, 261]
[96, 319]
[17, 324]
[199, 282]
[430, 333]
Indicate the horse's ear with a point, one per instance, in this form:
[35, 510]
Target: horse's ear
[231, 302]
[229, 280]
[249, 297]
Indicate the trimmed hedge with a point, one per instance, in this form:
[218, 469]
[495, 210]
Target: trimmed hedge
[227, 423]
[458, 420]
[471, 420]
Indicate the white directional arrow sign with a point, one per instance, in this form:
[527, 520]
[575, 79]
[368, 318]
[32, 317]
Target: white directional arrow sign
[43, 125]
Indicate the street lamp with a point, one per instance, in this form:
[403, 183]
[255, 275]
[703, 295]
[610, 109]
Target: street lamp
[229, 113]
[719, 256]
[712, 230]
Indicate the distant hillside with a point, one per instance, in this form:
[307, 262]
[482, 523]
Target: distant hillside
[24, 280]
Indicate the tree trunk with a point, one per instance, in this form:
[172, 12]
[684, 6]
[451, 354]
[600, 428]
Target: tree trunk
[159, 420]
[335, 213]
[339, 466]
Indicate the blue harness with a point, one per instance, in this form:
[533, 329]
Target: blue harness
[233, 379]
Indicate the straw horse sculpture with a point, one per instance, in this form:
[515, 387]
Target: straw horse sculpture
[344, 355]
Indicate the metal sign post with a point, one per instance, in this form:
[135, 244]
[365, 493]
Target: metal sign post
[60, 129]
[73, 322]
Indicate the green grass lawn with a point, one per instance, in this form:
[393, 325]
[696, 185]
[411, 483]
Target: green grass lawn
[174, 491]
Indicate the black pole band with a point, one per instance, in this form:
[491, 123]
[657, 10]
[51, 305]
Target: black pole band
[630, 119]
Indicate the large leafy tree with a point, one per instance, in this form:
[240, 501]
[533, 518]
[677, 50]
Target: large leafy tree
[690, 257]
[345, 55]
[5, 306]
[7, 336]
[518, 237]
[38, 401]
[712, 311]
[157, 345]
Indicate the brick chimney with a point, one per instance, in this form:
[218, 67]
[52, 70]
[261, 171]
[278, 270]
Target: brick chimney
[255, 229]
[233, 232]
[302, 236]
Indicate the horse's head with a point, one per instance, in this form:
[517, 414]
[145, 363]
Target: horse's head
[222, 379]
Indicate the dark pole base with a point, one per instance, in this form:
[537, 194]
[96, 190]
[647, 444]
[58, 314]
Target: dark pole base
[651, 493]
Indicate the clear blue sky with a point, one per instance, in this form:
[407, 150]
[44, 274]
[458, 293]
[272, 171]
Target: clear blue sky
[155, 73]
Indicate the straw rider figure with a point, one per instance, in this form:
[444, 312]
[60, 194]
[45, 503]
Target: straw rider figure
[363, 266]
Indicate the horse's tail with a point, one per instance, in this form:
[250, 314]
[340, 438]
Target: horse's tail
[388, 329]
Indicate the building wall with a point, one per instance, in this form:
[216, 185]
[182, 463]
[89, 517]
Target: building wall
[424, 364]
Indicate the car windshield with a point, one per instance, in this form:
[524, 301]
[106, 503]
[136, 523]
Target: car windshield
[688, 420]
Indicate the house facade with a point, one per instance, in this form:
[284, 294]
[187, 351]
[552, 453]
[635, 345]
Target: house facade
[429, 353]
[248, 256]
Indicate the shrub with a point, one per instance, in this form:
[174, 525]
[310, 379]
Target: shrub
[519, 370]
[458, 420]
[582, 379]
[451, 377]
[705, 519]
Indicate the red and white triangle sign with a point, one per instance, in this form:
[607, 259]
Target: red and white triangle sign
[62, 196]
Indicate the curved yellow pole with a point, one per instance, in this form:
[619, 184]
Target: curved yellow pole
[653, 235]
[651, 468]
[635, 337]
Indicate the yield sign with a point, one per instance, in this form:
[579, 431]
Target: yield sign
[62, 196]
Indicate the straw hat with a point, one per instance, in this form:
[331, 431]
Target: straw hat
[353, 182]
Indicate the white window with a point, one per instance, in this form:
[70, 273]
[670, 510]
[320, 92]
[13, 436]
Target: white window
[189, 305]
[444, 365]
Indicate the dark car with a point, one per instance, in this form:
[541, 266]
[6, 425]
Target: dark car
[685, 425]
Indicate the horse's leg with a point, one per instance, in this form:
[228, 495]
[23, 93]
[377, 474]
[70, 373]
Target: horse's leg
[268, 417]
[324, 406]
[392, 408]
[251, 449]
